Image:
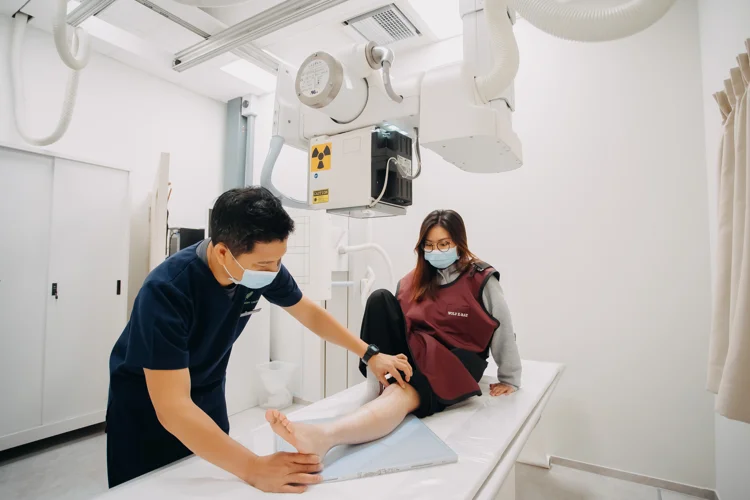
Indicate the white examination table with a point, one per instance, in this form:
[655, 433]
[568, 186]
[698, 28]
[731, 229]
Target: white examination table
[487, 433]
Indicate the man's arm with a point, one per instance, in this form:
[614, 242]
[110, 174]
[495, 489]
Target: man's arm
[170, 394]
[324, 325]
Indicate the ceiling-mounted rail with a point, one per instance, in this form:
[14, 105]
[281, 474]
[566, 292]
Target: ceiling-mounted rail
[268, 21]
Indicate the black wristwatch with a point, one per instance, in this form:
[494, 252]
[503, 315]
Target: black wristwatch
[372, 350]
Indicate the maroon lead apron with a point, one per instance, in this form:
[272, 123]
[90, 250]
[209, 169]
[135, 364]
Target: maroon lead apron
[454, 319]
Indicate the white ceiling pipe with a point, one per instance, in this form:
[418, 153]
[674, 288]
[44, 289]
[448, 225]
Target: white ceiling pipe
[74, 59]
[504, 51]
[591, 24]
[19, 29]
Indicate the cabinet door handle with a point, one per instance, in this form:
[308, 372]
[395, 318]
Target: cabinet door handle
[54, 291]
[119, 287]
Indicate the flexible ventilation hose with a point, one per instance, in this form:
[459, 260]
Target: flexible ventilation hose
[77, 58]
[584, 24]
[79, 39]
[504, 51]
[591, 24]
[266, 174]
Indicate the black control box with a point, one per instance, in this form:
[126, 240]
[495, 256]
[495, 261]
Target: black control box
[388, 144]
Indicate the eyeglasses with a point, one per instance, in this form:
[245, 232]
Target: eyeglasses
[443, 246]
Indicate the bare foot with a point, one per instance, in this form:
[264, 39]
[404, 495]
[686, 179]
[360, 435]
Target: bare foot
[306, 438]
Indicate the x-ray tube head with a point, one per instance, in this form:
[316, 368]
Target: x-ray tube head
[323, 83]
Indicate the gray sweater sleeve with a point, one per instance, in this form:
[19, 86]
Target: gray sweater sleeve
[503, 346]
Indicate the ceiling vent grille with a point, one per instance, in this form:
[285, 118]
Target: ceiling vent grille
[383, 26]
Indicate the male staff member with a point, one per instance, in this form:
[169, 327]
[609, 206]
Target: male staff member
[168, 368]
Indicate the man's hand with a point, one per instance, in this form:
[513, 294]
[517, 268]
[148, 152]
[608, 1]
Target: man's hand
[284, 472]
[383, 364]
[499, 389]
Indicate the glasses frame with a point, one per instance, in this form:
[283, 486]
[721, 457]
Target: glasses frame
[437, 247]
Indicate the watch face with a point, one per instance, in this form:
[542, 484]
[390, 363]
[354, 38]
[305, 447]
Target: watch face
[374, 350]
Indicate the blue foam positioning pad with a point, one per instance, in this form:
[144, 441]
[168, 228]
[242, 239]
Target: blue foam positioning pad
[411, 446]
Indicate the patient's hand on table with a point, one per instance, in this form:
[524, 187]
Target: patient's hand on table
[500, 389]
[306, 438]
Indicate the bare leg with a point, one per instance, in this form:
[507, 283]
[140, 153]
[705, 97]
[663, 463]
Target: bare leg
[373, 387]
[374, 420]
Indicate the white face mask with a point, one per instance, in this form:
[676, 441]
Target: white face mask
[440, 259]
[252, 279]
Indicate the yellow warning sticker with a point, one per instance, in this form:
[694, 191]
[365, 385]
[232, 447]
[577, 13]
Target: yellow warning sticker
[320, 159]
[320, 196]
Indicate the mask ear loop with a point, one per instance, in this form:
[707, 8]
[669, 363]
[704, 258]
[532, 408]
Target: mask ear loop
[235, 260]
[232, 278]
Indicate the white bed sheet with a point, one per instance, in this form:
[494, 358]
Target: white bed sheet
[479, 430]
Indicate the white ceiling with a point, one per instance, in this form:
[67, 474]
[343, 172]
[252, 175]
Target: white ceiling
[149, 25]
[10, 7]
[141, 38]
[324, 31]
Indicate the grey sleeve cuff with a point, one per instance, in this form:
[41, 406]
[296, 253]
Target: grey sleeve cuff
[503, 345]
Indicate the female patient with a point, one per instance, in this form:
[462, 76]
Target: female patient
[448, 314]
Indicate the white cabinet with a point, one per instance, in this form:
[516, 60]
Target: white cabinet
[89, 263]
[25, 210]
[63, 291]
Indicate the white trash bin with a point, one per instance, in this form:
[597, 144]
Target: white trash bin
[275, 378]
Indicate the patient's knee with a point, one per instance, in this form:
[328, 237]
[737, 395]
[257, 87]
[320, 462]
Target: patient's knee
[379, 297]
[408, 395]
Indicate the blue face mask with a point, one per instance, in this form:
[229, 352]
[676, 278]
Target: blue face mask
[252, 279]
[442, 260]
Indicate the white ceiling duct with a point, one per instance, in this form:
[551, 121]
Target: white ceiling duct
[569, 21]
[383, 26]
[589, 22]
[76, 57]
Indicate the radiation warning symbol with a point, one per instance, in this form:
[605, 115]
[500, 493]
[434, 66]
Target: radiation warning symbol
[321, 157]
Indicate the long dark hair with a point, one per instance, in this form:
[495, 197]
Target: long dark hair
[425, 282]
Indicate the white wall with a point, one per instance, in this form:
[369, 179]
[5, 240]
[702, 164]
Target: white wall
[723, 30]
[602, 242]
[601, 238]
[123, 117]
[290, 341]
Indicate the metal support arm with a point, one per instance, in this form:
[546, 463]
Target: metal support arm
[87, 9]
[268, 21]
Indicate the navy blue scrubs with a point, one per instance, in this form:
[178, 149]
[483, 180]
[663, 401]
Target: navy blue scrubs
[182, 318]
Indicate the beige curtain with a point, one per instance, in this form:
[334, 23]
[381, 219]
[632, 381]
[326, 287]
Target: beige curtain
[723, 268]
[729, 352]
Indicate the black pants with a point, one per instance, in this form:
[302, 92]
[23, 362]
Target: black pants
[383, 324]
[136, 441]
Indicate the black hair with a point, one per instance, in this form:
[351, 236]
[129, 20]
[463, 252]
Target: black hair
[243, 217]
[425, 284]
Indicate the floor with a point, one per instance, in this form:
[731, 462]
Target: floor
[562, 483]
[73, 467]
